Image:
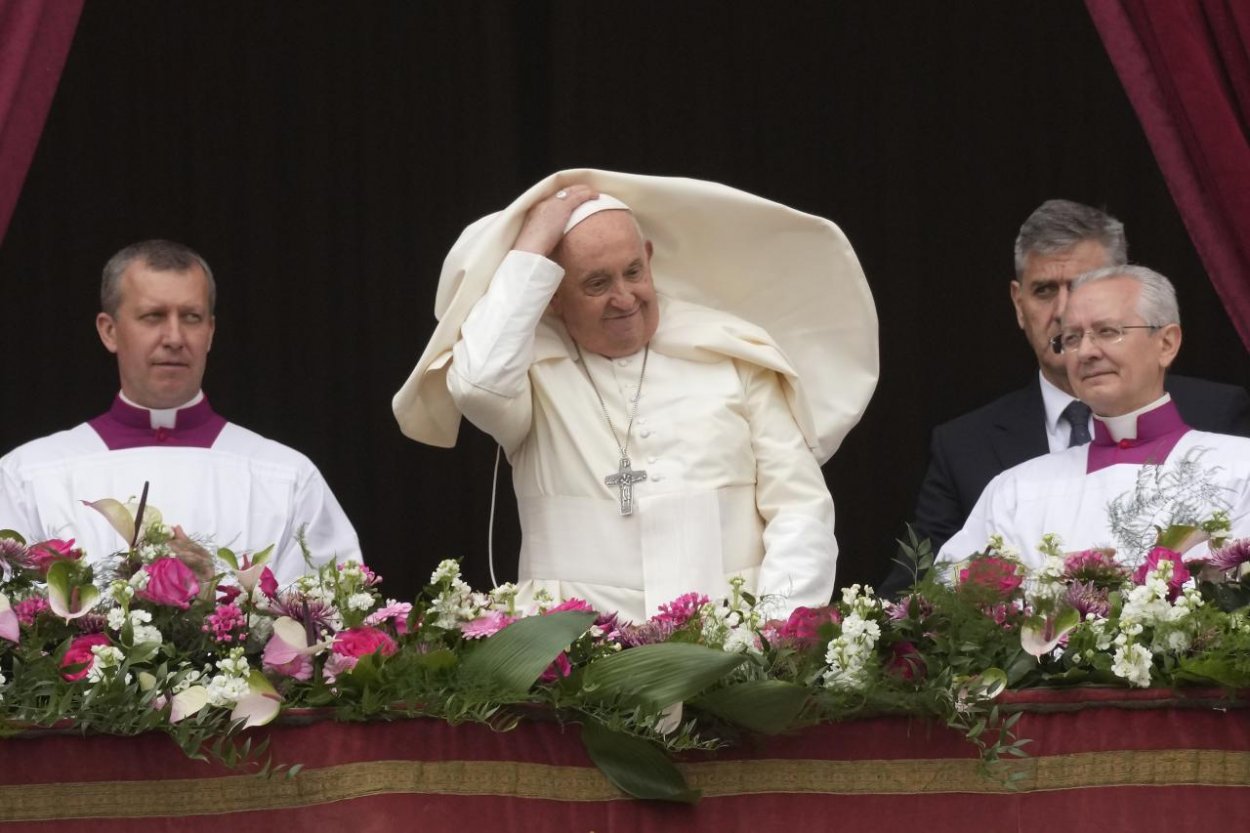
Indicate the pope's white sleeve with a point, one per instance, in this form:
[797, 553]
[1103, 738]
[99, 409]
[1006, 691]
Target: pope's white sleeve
[489, 374]
[13, 507]
[800, 551]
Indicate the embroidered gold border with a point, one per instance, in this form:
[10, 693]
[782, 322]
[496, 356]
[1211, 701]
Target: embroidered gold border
[242, 793]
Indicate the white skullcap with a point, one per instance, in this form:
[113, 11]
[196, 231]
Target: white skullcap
[604, 202]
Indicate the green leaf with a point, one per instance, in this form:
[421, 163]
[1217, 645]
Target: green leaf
[515, 657]
[659, 675]
[227, 555]
[767, 706]
[635, 766]
[12, 535]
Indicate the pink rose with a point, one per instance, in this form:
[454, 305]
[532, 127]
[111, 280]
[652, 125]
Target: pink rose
[359, 642]
[999, 576]
[1180, 573]
[79, 654]
[46, 553]
[803, 626]
[170, 583]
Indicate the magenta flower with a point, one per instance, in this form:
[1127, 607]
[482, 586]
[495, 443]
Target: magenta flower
[573, 604]
[560, 668]
[28, 610]
[802, 629]
[46, 553]
[906, 662]
[359, 642]
[78, 658]
[227, 624]
[680, 610]
[170, 583]
[268, 584]
[1180, 573]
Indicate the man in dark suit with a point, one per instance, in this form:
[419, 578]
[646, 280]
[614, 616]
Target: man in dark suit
[1058, 241]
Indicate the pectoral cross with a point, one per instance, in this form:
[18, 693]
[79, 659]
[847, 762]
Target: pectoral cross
[624, 481]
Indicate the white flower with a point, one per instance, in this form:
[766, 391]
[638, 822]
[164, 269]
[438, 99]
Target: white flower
[139, 581]
[235, 664]
[447, 570]
[1178, 642]
[1132, 662]
[226, 690]
[116, 618]
[107, 658]
[503, 597]
[121, 592]
[360, 601]
[190, 678]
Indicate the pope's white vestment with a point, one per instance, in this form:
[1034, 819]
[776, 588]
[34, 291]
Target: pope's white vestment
[1067, 493]
[732, 487]
[224, 485]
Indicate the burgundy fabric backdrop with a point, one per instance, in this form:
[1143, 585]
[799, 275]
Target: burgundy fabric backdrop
[34, 40]
[1186, 69]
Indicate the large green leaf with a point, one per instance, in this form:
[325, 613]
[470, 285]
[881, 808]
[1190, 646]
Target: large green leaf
[657, 676]
[767, 706]
[635, 766]
[512, 660]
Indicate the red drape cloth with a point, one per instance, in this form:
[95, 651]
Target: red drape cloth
[1185, 67]
[1106, 760]
[35, 36]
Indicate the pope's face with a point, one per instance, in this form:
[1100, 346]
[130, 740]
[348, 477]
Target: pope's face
[607, 300]
[1116, 379]
[162, 333]
[1041, 294]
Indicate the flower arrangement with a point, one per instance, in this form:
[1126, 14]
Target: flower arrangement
[140, 641]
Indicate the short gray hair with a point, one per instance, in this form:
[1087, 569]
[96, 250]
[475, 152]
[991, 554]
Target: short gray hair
[1156, 303]
[159, 255]
[1059, 225]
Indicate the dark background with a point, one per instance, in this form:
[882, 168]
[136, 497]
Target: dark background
[324, 156]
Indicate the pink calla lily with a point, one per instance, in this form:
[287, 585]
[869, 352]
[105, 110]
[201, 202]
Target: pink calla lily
[8, 620]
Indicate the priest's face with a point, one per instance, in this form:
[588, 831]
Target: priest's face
[607, 300]
[161, 333]
[1116, 378]
[1040, 295]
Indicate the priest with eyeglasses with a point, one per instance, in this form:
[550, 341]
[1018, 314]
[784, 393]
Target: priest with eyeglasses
[1144, 468]
[666, 364]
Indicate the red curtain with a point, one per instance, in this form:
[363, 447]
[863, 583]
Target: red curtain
[34, 39]
[1185, 67]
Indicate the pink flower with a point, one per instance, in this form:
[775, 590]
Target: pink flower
[226, 594]
[395, 612]
[1097, 566]
[1087, 598]
[286, 659]
[560, 668]
[906, 662]
[359, 642]
[268, 583]
[227, 624]
[803, 626]
[337, 664]
[28, 609]
[573, 604]
[79, 656]
[998, 576]
[680, 610]
[1180, 573]
[488, 625]
[170, 583]
[1230, 556]
[46, 553]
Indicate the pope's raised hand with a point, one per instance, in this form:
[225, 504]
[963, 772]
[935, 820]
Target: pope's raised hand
[193, 555]
[544, 224]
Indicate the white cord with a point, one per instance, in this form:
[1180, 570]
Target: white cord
[490, 526]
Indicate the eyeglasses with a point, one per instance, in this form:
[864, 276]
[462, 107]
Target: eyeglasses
[1070, 342]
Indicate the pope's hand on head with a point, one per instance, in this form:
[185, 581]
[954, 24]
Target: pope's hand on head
[193, 555]
[544, 224]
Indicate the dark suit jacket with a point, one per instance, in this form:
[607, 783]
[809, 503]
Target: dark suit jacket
[969, 451]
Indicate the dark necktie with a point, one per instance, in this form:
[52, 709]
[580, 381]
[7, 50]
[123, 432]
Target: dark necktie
[1077, 415]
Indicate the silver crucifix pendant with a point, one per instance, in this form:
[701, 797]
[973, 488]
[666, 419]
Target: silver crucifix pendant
[624, 480]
